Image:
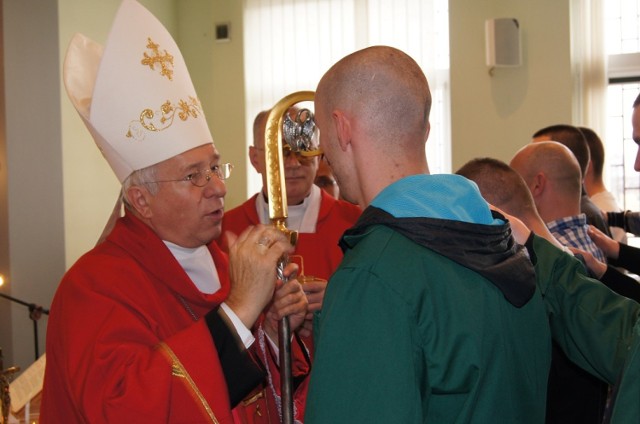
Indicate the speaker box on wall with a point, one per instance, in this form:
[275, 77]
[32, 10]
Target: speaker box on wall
[503, 42]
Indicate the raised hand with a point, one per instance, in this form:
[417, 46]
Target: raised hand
[253, 258]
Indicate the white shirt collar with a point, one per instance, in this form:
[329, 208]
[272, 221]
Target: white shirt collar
[198, 264]
[301, 218]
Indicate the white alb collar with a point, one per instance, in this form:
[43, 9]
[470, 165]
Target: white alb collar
[198, 264]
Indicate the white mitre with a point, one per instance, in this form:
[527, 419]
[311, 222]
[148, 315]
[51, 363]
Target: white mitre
[135, 95]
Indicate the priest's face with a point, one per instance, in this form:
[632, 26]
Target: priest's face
[181, 212]
[299, 171]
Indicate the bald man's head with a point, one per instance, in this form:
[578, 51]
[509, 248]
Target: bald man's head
[570, 136]
[386, 89]
[259, 126]
[555, 160]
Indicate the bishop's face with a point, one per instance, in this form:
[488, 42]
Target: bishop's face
[181, 212]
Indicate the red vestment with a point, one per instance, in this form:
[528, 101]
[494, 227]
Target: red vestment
[126, 340]
[320, 250]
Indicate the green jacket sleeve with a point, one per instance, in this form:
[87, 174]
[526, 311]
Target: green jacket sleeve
[593, 325]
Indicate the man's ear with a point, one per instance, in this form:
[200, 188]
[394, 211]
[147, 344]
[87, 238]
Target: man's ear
[343, 128]
[427, 131]
[253, 158]
[538, 184]
[139, 198]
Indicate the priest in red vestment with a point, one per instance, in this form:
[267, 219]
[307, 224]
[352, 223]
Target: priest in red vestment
[156, 324]
[320, 220]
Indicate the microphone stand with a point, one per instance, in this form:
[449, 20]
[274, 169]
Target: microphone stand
[35, 312]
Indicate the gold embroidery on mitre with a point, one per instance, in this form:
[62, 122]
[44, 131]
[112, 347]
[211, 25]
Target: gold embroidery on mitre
[162, 119]
[164, 60]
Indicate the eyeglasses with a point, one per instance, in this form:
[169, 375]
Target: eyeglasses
[201, 178]
[302, 159]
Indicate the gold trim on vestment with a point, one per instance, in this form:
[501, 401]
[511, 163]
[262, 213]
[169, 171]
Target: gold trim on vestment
[178, 370]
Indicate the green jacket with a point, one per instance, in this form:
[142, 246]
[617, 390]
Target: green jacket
[409, 335]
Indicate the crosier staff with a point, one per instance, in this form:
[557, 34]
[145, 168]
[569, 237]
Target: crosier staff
[298, 135]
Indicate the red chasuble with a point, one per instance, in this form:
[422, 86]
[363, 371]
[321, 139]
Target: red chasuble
[127, 341]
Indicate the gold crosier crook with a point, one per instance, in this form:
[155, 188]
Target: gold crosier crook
[277, 196]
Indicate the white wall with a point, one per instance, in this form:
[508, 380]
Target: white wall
[496, 115]
[217, 71]
[34, 169]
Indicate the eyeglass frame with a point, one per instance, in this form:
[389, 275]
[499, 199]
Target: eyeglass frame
[207, 172]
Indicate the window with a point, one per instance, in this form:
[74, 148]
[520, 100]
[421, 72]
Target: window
[289, 44]
[622, 29]
[623, 180]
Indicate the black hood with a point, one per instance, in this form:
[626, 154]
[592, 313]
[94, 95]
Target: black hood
[489, 250]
